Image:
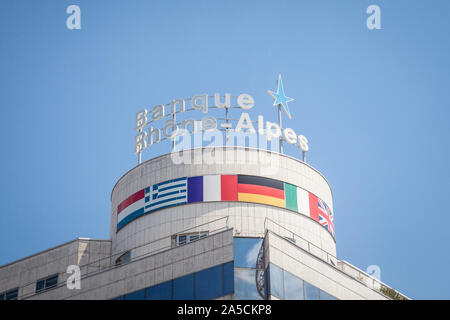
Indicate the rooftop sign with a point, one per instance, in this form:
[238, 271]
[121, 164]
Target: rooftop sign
[148, 135]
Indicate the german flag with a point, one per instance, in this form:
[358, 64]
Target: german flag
[261, 190]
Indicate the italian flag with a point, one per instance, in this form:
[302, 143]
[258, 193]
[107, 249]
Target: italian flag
[297, 199]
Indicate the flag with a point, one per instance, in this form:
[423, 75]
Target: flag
[165, 194]
[195, 189]
[290, 192]
[229, 190]
[130, 208]
[325, 216]
[261, 190]
[208, 188]
[321, 213]
[219, 188]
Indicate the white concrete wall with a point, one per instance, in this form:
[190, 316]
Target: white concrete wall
[150, 270]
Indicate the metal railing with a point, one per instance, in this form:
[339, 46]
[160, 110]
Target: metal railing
[341, 265]
[299, 241]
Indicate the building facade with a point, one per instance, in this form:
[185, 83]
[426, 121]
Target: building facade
[211, 223]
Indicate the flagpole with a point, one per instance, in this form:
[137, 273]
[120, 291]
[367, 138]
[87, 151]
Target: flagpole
[279, 120]
[279, 123]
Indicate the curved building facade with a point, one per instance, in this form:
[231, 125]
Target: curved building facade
[238, 187]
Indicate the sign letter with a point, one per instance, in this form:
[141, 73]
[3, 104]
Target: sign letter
[374, 21]
[73, 281]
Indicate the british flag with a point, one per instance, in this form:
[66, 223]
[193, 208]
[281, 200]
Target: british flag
[325, 216]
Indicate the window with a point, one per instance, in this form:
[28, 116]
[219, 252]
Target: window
[126, 257]
[162, 291]
[246, 252]
[311, 292]
[183, 288]
[47, 283]
[325, 296]
[10, 294]
[180, 239]
[209, 283]
[285, 285]
[293, 287]
[245, 284]
[228, 278]
[137, 295]
[276, 281]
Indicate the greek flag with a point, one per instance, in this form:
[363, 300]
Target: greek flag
[166, 194]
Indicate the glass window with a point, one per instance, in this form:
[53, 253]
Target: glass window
[325, 296]
[40, 285]
[246, 252]
[162, 291]
[51, 282]
[311, 292]
[137, 295]
[209, 283]
[180, 239]
[245, 285]
[183, 288]
[47, 283]
[228, 278]
[276, 281]
[293, 287]
[10, 295]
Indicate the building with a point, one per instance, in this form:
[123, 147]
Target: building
[252, 224]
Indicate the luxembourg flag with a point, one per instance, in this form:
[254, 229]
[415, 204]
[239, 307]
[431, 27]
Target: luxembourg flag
[130, 208]
[212, 188]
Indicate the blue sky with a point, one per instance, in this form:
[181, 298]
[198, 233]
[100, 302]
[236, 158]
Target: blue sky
[373, 104]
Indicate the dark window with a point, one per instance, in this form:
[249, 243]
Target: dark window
[137, 295]
[228, 278]
[162, 291]
[40, 285]
[180, 239]
[123, 258]
[47, 283]
[183, 288]
[10, 294]
[209, 283]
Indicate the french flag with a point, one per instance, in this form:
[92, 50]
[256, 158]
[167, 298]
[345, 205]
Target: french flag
[212, 188]
[130, 207]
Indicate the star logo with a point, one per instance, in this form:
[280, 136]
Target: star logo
[280, 97]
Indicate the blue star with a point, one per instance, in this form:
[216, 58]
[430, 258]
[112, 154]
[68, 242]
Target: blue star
[280, 97]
